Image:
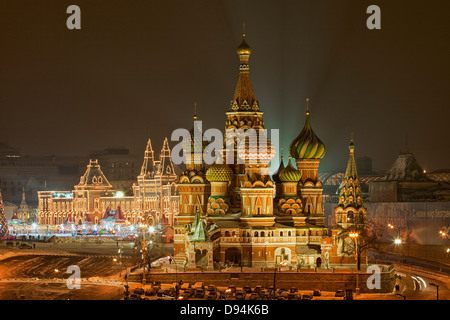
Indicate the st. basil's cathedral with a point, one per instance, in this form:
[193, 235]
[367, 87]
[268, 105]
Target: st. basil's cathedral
[229, 216]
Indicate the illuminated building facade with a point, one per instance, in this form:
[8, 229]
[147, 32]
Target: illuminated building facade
[228, 213]
[154, 199]
[155, 192]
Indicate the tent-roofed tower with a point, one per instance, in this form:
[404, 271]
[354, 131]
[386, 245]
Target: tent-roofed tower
[350, 218]
[350, 209]
[23, 211]
[243, 114]
[165, 168]
[148, 165]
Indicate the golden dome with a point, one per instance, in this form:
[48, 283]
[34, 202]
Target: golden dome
[244, 48]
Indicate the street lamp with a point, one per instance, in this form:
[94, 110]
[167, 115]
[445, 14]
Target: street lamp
[398, 240]
[437, 289]
[354, 236]
[176, 276]
[282, 263]
[144, 229]
[126, 272]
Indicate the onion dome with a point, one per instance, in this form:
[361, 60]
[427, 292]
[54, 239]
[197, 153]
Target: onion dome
[243, 48]
[256, 146]
[276, 175]
[290, 174]
[307, 145]
[219, 173]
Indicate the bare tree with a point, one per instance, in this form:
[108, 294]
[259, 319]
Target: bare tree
[369, 234]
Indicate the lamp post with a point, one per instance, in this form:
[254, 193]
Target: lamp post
[282, 263]
[176, 276]
[143, 250]
[354, 236]
[398, 240]
[126, 271]
[437, 289]
[144, 229]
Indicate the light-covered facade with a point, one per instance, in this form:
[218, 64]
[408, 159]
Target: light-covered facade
[154, 199]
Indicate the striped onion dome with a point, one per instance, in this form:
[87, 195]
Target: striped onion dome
[290, 174]
[307, 145]
[219, 173]
[256, 146]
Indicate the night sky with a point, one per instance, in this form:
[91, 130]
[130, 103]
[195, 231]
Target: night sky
[136, 68]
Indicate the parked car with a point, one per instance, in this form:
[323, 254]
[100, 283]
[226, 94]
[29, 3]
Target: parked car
[317, 293]
[281, 290]
[150, 292]
[293, 290]
[162, 292]
[211, 287]
[212, 295]
[198, 285]
[254, 296]
[222, 296]
[139, 291]
[199, 293]
[264, 294]
[307, 297]
[340, 294]
[247, 289]
[257, 289]
[292, 296]
[25, 246]
[185, 286]
[285, 294]
[240, 295]
[190, 291]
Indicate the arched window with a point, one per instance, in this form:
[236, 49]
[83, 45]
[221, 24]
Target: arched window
[281, 233]
[256, 234]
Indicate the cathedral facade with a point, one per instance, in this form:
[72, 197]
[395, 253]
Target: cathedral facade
[228, 213]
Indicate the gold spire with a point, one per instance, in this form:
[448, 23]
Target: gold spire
[352, 145]
[244, 97]
[195, 111]
[244, 48]
[307, 106]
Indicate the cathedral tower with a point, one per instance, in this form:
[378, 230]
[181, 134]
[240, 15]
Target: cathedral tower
[307, 150]
[350, 210]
